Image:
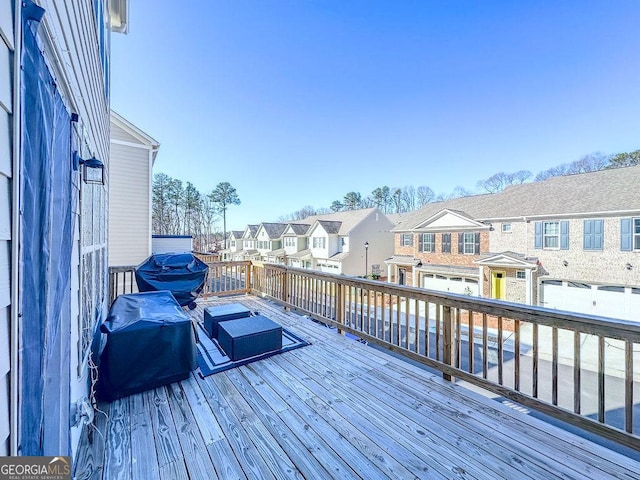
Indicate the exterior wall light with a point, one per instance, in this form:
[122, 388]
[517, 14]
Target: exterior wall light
[92, 169]
[565, 263]
[629, 266]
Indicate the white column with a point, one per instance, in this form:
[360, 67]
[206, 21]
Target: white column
[389, 272]
[528, 287]
[414, 276]
[480, 282]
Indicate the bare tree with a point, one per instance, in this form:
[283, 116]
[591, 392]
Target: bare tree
[589, 163]
[424, 195]
[552, 172]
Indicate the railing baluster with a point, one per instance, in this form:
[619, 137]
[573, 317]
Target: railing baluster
[500, 352]
[554, 366]
[416, 326]
[516, 355]
[427, 347]
[577, 381]
[448, 339]
[458, 339]
[628, 386]
[470, 342]
[485, 347]
[438, 313]
[534, 372]
[406, 322]
[601, 386]
[397, 342]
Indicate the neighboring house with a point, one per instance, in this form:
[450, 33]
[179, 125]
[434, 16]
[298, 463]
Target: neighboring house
[54, 116]
[249, 245]
[133, 153]
[296, 245]
[569, 243]
[269, 242]
[234, 245]
[335, 242]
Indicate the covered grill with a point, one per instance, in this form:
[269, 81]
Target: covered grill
[182, 274]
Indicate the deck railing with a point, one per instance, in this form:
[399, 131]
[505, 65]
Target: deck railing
[581, 369]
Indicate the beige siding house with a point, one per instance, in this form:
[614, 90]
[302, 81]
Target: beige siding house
[133, 153]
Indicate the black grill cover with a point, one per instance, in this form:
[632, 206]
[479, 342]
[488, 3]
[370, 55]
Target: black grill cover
[150, 342]
[182, 274]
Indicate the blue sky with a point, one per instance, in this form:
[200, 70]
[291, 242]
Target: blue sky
[298, 102]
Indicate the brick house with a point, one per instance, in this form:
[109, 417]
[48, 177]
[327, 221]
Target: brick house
[569, 243]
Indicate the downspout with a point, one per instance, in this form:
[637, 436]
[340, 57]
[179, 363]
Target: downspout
[15, 232]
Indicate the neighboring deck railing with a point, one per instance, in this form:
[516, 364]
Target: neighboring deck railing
[577, 368]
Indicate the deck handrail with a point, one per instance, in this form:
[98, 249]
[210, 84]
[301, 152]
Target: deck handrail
[502, 347]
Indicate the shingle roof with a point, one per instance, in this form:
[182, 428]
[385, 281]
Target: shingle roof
[348, 219]
[300, 228]
[274, 230]
[603, 191]
[331, 227]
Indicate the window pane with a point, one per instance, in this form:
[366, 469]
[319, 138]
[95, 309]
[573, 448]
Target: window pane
[551, 228]
[551, 242]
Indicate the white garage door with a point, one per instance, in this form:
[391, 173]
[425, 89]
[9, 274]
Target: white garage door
[605, 300]
[442, 283]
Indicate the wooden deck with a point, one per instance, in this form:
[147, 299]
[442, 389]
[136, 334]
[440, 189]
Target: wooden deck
[334, 409]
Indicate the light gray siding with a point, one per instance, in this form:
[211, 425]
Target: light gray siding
[6, 81]
[120, 134]
[129, 208]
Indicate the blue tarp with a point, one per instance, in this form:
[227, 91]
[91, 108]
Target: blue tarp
[46, 240]
[183, 274]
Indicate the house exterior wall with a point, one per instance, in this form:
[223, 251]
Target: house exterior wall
[130, 208]
[591, 266]
[374, 229]
[438, 258]
[7, 43]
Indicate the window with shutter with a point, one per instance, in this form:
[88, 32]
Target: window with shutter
[593, 235]
[446, 243]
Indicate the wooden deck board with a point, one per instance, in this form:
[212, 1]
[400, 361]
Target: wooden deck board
[334, 409]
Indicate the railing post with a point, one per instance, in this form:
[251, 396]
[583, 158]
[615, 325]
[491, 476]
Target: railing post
[447, 326]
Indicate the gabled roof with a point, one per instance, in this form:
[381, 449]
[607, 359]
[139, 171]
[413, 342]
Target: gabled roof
[450, 219]
[508, 259]
[236, 233]
[250, 231]
[331, 227]
[273, 230]
[299, 228]
[348, 219]
[131, 129]
[611, 190]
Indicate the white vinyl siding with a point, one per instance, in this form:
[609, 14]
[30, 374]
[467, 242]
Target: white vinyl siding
[129, 207]
[6, 104]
